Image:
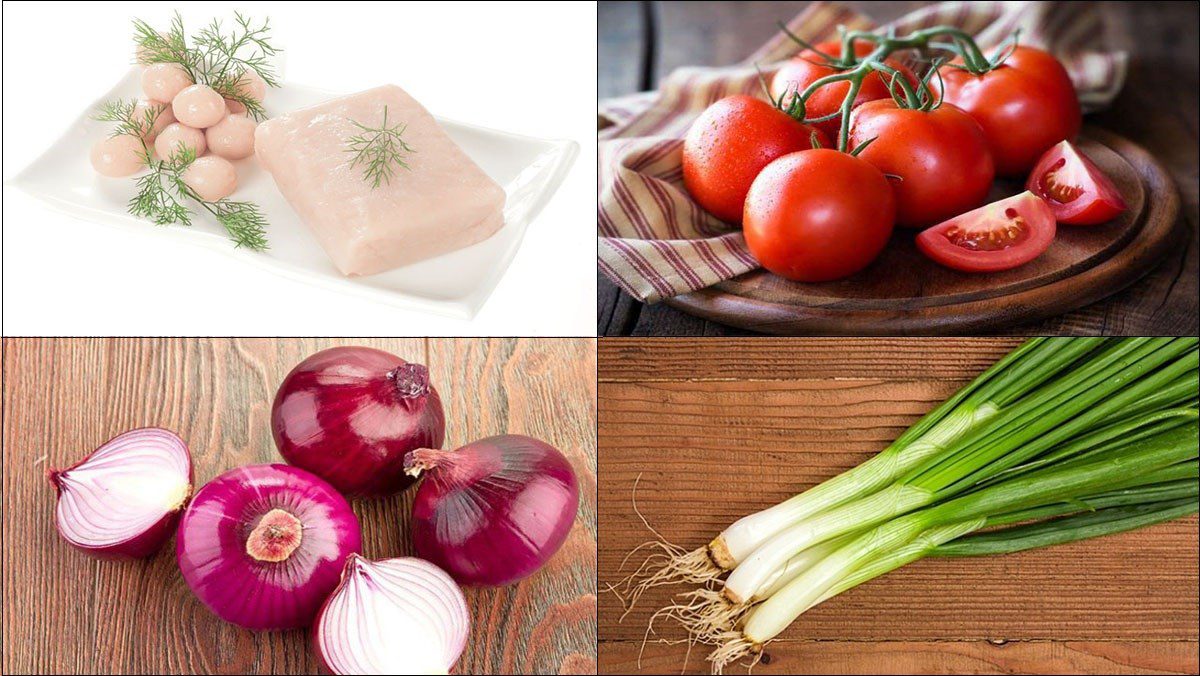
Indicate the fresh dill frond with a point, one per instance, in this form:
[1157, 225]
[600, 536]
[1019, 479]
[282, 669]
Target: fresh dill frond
[379, 150]
[227, 87]
[128, 122]
[243, 221]
[155, 47]
[155, 202]
[228, 57]
[217, 59]
[162, 194]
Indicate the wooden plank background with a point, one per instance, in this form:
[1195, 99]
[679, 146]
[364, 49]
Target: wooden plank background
[640, 43]
[720, 428]
[65, 612]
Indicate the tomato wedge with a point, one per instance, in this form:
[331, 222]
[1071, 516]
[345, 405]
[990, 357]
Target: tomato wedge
[997, 236]
[1076, 190]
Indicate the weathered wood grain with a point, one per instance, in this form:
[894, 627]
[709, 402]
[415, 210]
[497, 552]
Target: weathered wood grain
[717, 429]
[917, 657]
[64, 612]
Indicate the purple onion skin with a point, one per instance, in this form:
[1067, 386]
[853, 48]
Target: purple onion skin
[150, 540]
[349, 414]
[494, 511]
[263, 595]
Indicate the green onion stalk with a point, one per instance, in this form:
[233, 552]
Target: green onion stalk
[1147, 480]
[1026, 369]
[1047, 402]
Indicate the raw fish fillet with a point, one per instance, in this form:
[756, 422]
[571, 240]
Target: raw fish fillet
[441, 203]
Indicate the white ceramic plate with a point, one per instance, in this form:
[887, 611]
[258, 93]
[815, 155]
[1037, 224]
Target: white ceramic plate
[455, 284]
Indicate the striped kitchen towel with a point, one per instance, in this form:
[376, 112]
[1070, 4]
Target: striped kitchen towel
[655, 242]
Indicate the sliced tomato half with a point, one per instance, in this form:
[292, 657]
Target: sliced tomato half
[997, 236]
[1076, 190]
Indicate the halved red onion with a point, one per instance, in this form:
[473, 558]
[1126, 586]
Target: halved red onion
[494, 511]
[349, 414]
[263, 545]
[125, 498]
[397, 616]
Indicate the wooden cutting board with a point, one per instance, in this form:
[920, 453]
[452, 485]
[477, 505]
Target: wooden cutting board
[903, 292]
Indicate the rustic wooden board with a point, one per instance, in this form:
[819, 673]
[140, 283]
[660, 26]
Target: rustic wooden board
[903, 292]
[717, 429]
[64, 612]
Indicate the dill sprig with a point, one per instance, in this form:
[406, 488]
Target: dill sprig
[162, 194]
[379, 150]
[171, 47]
[216, 58]
[124, 113]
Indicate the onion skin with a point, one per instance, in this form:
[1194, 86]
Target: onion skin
[216, 562]
[409, 588]
[349, 414]
[494, 511]
[150, 540]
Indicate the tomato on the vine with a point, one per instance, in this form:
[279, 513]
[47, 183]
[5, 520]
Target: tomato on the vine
[731, 141]
[808, 66]
[1076, 190]
[1025, 105]
[939, 158]
[818, 215]
[998, 236]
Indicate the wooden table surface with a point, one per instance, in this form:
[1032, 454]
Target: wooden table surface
[1157, 109]
[65, 612]
[720, 428]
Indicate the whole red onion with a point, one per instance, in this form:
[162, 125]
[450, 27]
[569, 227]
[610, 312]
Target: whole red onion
[124, 499]
[494, 511]
[349, 414]
[263, 545]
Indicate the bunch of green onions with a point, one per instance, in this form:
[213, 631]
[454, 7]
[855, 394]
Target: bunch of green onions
[1061, 440]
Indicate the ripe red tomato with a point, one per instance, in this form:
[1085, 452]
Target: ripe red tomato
[940, 156]
[806, 68]
[1076, 190]
[818, 215]
[1025, 106]
[729, 144]
[998, 236]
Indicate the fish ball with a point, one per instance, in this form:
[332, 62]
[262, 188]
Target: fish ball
[177, 136]
[198, 106]
[252, 85]
[213, 178]
[118, 156]
[162, 82]
[232, 137]
[164, 118]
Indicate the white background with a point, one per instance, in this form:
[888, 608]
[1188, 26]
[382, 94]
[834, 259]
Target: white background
[523, 68]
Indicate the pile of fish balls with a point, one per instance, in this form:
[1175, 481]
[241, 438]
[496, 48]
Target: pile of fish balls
[191, 116]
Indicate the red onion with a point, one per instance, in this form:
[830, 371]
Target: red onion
[494, 511]
[124, 498]
[399, 616]
[262, 546]
[349, 414]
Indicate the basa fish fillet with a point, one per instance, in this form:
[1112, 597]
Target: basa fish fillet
[442, 202]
